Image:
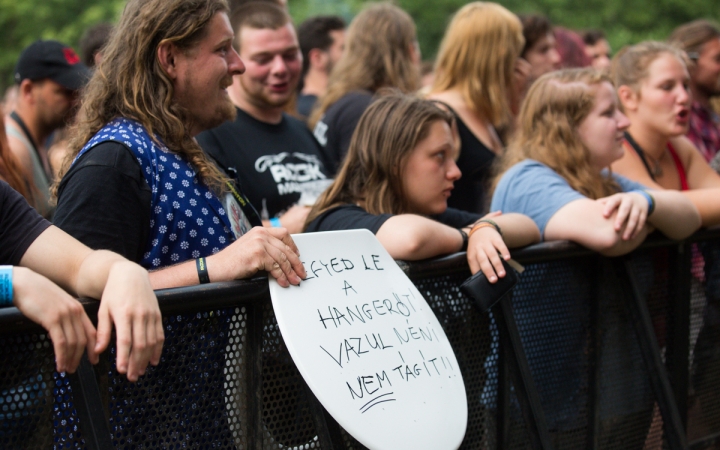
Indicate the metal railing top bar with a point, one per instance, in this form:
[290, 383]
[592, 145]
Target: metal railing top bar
[256, 289]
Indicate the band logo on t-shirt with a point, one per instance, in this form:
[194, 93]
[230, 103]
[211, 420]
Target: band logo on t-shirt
[294, 172]
[320, 132]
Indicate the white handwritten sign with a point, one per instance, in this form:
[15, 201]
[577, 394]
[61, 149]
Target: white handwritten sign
[369, 346]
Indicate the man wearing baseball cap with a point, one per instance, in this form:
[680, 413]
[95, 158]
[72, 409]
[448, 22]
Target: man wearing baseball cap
[48, 75]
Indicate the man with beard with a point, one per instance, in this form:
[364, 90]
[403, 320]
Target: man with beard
[322, 39]
[701, 41]
[140, 185]
[273, 154]
[48, 75]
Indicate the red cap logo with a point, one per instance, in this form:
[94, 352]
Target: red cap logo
[70, 56]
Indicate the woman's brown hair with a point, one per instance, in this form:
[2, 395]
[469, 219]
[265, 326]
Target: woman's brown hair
[555, 106]
[371, 175]
[377, 54]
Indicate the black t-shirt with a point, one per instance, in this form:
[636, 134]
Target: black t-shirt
[305, 103]
[20, 225]
[104, 201]
[475, 161]
[281, 163]
[353, 217]
[336, 127]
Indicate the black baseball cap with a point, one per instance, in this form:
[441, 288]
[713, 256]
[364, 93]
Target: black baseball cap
[53, 60]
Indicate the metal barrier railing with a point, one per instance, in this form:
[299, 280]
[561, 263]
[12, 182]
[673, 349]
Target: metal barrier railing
[589, 352]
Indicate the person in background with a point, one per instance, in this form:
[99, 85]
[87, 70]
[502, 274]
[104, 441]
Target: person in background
[399, 172]
[9, 100]
[10, 170]
[381, 50]
[322, 40]
[274, 155]
[475, 75]
[427, 75]
[571, 48]
[700, 39]
[597, 48]
[92, 42]
[654, 86]
[540, 48]
[49, 75]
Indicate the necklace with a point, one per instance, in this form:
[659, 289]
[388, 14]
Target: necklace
[656, 170]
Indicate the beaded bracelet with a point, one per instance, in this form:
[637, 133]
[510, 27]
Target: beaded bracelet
[6, 286]
[482, 223]
[275, 222]
[650, 199]
[203, 275]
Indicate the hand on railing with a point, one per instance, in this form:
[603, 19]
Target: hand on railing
[43, 302]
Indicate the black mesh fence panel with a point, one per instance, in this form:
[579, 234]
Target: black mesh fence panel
[36, 403]
[226, 380]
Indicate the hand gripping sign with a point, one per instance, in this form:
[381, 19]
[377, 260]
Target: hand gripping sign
[369, 346]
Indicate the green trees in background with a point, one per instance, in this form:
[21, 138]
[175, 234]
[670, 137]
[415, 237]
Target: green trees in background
[624, 21]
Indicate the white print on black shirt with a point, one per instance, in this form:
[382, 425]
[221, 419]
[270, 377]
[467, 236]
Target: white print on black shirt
[320, 132]
[304, 177]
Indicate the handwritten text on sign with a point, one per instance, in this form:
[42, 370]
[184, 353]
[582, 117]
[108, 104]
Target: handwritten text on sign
[369, 346]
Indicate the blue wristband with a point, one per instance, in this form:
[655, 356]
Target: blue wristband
[650, 199]
[275, 222]
[6, 286]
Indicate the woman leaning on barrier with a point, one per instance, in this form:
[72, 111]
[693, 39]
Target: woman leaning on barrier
[570, 130]
[395, 181]
[653, 86]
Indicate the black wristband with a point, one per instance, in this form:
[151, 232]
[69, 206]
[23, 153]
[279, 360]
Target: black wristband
[464, 240]
[201, 265]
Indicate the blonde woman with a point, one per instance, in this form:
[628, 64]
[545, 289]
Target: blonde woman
[381, 51]
[475, 76]
[570, 130]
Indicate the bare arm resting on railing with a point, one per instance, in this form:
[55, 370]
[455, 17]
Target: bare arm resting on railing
[618, 224]
[269, 249]
[412, 237]
[127, 301]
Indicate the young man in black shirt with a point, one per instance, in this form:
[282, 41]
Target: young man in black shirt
[277, 160]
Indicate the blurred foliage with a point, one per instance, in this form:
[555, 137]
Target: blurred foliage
[24, 21]
[624, 21]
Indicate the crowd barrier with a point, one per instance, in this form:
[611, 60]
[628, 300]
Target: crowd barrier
[587, 352]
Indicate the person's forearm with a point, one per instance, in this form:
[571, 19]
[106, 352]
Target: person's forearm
[95, 269]
[622, 247]
[706, 202]
[518, 229]
[411, 237]
[184, 274]
[674, 215]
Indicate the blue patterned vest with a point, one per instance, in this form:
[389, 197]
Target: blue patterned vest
[187, 220]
